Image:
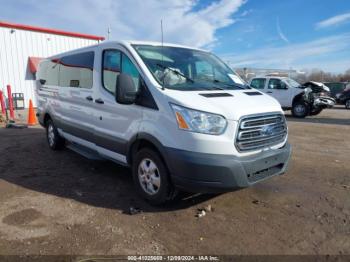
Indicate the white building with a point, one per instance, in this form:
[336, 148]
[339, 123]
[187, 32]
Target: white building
[22, 47]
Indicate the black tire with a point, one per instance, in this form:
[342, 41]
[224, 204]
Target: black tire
[300, 109]
[316, 111]
[347, 104]
[54, 140]
[160, 195]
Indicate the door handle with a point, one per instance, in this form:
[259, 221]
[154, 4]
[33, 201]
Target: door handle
[89, 98]
[269, 92]
[99, 101]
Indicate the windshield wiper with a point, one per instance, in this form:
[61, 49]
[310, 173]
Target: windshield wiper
[176, 72]
[228, 84]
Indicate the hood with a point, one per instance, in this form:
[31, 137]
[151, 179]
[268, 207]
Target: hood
[232, 104]
[316, 86]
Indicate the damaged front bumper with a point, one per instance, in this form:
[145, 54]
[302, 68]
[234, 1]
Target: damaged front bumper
[324, 101]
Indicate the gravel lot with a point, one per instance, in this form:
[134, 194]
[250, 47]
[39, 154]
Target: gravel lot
[62, 203]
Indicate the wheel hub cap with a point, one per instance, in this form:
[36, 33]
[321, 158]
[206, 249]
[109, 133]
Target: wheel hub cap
[149, 176]
[299, 109]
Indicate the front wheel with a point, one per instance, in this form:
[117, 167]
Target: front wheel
[300, 109]
[347, 104]
[151, 177]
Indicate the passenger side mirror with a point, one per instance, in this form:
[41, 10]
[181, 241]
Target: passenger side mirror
[126, 91]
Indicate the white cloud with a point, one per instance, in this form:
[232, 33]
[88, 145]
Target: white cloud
[333, 21]
[279, 30]
[183, 22]
[318, 53]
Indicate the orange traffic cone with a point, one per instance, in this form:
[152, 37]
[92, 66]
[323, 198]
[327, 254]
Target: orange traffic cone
[31, 114]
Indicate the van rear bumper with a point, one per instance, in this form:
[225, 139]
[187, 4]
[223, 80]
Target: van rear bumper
[211, 173]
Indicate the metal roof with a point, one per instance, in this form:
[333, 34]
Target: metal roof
[49, 31]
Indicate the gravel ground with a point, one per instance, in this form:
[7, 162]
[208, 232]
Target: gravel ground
[62, 203]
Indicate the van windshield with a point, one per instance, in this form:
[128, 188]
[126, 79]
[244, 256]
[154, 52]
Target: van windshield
[188, 69]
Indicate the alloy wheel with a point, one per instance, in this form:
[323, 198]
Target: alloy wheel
[149, 176]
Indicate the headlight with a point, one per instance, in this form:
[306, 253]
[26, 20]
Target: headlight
[199, 121]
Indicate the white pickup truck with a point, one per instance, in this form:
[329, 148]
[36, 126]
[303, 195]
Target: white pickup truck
[303, 100]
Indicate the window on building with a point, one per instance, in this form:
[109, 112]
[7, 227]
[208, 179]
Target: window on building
[77, 70]
[258, 83]
[48, 71]
[115, 62]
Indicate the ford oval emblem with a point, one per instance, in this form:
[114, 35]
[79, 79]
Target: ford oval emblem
[267, 131]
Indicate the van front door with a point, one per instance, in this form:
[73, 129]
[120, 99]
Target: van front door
[114, 124]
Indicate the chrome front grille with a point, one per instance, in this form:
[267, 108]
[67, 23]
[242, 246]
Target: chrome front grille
[259, 131]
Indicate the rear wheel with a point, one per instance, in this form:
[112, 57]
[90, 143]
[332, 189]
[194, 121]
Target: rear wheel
[54, 139]
[151, 177]
[300, 109]
[347, 104]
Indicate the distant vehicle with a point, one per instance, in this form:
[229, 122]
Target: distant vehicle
[308, 99]
[336, 88]
[178, 116]
[344, 97]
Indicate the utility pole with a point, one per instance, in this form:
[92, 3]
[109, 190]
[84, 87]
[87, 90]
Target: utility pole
[108, 32]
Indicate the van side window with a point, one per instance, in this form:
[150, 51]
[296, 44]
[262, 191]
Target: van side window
[111, 69]
[115, 62]
[129, 68]
[258, 83]
[48, 71]
[77, 70]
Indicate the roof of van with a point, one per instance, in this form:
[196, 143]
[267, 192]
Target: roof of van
[125, 43]
[135, 42]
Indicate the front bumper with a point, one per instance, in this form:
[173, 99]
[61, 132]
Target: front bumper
[211, 173]
[324, 101]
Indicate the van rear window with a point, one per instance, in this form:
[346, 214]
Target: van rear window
[48, 71]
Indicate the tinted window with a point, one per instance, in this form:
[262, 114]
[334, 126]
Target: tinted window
[77, 70]
[276, 84]
[48, 71]
[258, 83]
[115, 62]
[129, 68]
[111, 69]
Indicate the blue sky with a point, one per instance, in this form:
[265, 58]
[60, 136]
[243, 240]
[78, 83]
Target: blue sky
[246, 33]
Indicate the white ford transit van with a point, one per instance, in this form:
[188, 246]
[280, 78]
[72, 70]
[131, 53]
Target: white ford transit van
[178, 116]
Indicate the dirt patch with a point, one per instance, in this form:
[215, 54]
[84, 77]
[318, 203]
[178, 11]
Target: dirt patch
[22, 218]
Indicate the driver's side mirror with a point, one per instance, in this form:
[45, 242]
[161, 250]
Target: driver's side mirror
[126, 89]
